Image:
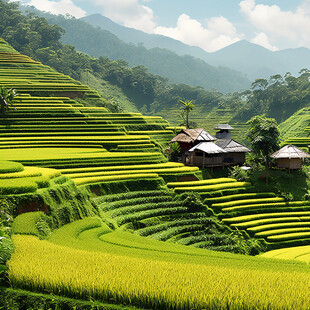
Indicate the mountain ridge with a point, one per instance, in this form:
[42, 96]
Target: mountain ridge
[233, 56]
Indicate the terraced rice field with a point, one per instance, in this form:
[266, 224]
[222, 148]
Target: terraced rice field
[115, 158]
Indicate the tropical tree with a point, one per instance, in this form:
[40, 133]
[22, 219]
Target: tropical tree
[263, 135]
[6, 99]
[187, 107]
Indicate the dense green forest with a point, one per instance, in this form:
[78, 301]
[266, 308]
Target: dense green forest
[136, 89]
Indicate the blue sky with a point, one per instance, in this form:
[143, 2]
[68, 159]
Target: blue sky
[209, 24]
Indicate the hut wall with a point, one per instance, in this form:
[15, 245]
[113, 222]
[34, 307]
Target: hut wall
[234, 158]
[197, 159]
[185, 146]
[223, 134]
[294, 163]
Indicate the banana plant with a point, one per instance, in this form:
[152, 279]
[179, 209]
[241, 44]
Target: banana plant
[6, 99]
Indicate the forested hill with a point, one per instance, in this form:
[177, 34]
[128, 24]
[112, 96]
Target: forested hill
[137, 37]
[178, 69]
[131, 88]
[251, 59]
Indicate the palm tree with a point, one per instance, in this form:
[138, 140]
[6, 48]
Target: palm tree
[187, 106]
[6, 99]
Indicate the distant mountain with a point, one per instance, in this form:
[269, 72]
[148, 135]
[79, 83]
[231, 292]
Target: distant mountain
[251, 59]
[178, 69]
[137, 37]
[258, 62]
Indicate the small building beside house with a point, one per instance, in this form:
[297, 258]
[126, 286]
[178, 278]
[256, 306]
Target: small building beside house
[224, 131]
[290, 157]
[234, 151]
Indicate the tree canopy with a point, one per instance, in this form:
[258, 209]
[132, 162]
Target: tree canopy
[263, 135]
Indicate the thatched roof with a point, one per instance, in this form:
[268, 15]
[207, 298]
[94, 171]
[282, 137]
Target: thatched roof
[232, 146]
[191, 135]
[290, 151]
[208, 148]
[223, 127]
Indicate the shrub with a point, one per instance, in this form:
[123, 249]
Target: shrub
[239, 174]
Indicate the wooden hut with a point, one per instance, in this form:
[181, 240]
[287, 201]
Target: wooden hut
[290, 157]
[206, 154]
[234, 151]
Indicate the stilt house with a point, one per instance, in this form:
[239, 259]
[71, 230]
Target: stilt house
[290, 157]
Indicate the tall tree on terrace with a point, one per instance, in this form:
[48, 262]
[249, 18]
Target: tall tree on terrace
[6, 99]
[263, 134]
[187, 107]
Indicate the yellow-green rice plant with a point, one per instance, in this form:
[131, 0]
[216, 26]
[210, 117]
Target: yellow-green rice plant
[246, 202]
[17, 186]
[10, 167]
[158, 283]
[215, 187]
[278, 205]
[267, 221]
[89, 180]
[256, 229]
[201, 182]
[274, 232]
[253, 217]
[289, 236]
[301, 253]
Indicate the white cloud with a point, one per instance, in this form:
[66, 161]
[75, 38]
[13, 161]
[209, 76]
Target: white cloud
[218, 33]
[56, 7]
[129, 13]
[283, 28]
[262, 39]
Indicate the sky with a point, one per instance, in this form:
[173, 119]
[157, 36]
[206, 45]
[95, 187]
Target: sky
[208, 24]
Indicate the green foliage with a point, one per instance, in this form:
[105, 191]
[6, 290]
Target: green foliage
[174, 151]
[16, 299]
[6, 99]
[263, 135]
[239, 174]
[187, 107]
[193, 202]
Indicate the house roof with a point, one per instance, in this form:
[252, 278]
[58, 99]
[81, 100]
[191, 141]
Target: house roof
[290, 151]
[232, 146]
[223, 127]
[191, 135]
[208, 148]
